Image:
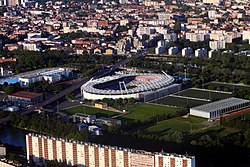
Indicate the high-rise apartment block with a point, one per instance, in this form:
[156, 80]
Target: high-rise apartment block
[40, 148]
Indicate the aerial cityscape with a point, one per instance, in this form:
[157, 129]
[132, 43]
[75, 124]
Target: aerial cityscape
[125, 83]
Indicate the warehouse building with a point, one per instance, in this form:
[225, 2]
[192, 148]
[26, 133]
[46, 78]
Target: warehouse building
[25, 98]
[216, 109]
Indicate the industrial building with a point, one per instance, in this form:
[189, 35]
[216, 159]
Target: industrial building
[50, 75]
[216, 109]
[25, 98]
[81, 154]
[142, 86]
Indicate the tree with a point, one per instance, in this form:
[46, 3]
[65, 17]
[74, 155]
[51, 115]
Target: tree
[177, 27]
[70, 96]
[9, 89]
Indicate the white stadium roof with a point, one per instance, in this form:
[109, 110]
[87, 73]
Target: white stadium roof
[160, 81]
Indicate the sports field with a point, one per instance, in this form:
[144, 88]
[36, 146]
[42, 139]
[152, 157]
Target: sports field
[204, 94]
[179, 102]
[180, 124]
[192, 97]
[143, 111]
[90, 110]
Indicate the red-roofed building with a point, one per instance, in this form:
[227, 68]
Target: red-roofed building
[25, 98]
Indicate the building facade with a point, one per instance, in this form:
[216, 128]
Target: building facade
[216, 109]
[41, 148]
[25, 98]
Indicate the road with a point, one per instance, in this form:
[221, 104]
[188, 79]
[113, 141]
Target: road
[76, 86]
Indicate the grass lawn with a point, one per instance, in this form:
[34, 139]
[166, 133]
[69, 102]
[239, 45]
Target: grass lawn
[176, 124]
[144, 111]
[215, 130]
[90, 110]
[179, 102]
[203, 94]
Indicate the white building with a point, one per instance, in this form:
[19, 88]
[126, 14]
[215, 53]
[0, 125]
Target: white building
[200, 52]
[123, 1]
[195, 37]
[210, 53]
[160, 50]
[212, 14]
[216, 109]
[173, 50]
[215, 45]
[214, 2]
[31, 46]
[246, 35]
[170, 37]
[2, 151]
[186, 51]
[164, 16]
[50, 75]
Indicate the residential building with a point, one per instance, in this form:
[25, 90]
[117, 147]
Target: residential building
[41, 148]
[215, 45]
[173, 50]
[186, 51]
[80, 117]
[2, 151]
[195, 37]
[246, 35]
[200, 52]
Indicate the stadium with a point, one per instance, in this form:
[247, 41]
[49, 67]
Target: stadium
[144, 86]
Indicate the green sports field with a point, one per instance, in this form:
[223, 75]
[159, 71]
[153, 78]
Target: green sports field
[179, 102]
[204, 94]
[90, 110]
[180, 124]
[144, 111]
[184, 98]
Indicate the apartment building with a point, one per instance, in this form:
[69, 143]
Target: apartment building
[40, 148]
[215, 45]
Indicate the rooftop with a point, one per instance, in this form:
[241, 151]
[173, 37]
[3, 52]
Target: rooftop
[25, 94]
[221, 104]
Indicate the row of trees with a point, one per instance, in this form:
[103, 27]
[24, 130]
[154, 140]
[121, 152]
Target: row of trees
[31, 60]
[224, 68]
[240, 122]
[48, 124]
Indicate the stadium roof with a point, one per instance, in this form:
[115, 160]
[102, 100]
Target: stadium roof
[159, 81]
[221, 104]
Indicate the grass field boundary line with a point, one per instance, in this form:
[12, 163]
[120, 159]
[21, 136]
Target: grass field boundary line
[117, 111]
[120, 115]
[159, 98]
[165, 105]
[66, 108]
[191, 98]
[92, 107]
[209, 90]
